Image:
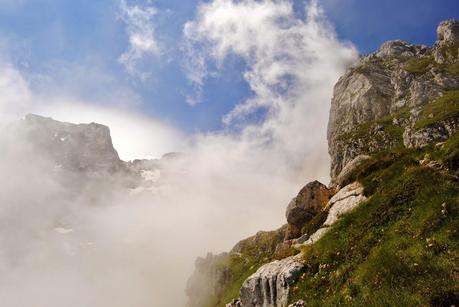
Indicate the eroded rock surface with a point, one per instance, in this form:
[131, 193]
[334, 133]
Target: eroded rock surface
[270, 285]
[310, 201]
[344, 201]
[371, 102]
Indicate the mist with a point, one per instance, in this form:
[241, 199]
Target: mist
[72, 240]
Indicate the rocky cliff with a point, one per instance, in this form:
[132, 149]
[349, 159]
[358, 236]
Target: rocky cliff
[384, 232]
[380, 102]
[79, 147]
[81, 155]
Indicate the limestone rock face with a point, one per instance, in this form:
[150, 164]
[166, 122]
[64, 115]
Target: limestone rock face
[344, 201]
[448, 32]
[310, 200]
[71, 146]
[371, 101]
[413, 138]
[270, 285]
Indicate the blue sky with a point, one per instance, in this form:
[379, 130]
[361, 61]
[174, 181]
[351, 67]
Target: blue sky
[76, 46]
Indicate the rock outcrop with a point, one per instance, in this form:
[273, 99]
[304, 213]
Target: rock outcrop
[309, 201]
[270, 285]
[82, 147]
[372, 101]
[448, 32]
[344, 201]
[347, 199]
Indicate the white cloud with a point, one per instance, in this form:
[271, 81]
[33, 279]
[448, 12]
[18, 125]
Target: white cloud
[142, 38]
[292, 65]
[15, 94]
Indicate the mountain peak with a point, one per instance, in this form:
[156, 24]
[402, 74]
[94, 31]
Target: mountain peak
[73, 146]
[448, 32]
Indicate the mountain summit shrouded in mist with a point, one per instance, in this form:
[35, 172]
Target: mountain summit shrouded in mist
[138, 136]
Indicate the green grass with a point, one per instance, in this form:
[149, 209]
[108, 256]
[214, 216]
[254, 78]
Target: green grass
[245, 258]
[453, 69]
[400, 248]
[442, 108]
[424, 64]
[419, 65]
[364, 134]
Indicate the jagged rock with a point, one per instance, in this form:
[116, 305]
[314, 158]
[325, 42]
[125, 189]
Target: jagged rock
[310, 200]
[398, 76]
[416, 138]
[270, 285]
[300, 303]
[344, 201]
[397, 48]
[448, 32]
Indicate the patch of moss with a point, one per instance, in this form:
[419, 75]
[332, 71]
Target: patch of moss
[443, 108]
[453, 69]
[419, 65]
[400, 248]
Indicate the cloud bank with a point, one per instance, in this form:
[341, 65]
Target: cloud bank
[104, 247]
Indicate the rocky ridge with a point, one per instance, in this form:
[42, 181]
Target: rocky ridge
[378, 103]
[82, 153]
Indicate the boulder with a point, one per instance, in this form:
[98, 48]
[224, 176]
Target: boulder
[310, 200]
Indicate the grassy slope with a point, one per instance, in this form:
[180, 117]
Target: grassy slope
[401, 247]
[398, 249]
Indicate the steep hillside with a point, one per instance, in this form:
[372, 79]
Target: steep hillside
[384, 232]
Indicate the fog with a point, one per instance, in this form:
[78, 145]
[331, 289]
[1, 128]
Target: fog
[71, 240]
